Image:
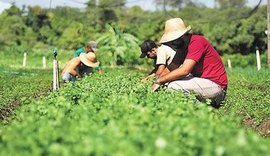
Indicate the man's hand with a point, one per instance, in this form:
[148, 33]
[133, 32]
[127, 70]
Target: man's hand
[100, 71]
[156, 84]
[148, 77]
[155, 87]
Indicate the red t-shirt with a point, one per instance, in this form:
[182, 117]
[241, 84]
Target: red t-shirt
[208, 62]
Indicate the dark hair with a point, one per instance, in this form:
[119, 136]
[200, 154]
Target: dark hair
[180, 45]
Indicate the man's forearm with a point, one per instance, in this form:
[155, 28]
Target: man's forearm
[160, 70]
[72, 72]
[174, 75]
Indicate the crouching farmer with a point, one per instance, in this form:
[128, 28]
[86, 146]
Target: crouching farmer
[75, 66]
[202, 71]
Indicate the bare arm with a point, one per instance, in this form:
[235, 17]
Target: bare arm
[160, 69]
[180, 72]
[73, 65]
[65, 68]
[164, 72]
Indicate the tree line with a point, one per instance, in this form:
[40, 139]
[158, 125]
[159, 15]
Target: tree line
[231, 26]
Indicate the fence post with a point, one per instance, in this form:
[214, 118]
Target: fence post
[44, 62]
[258, 60]
[229, 64]
[24, 59]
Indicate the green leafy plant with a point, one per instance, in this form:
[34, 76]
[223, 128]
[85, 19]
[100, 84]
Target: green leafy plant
[123, 47]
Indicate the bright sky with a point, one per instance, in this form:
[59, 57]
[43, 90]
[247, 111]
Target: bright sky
[145, 4]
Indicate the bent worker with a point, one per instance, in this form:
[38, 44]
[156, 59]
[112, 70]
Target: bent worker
[149, 49]
[165, 58]
[91, 47]
[73, 69]
[208, 79]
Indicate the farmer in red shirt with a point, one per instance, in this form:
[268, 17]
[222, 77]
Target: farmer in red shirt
[202, 71]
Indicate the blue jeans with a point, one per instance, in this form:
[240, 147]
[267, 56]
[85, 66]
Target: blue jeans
[68, 77]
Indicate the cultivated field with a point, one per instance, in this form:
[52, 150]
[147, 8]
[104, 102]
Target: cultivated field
[117, 114]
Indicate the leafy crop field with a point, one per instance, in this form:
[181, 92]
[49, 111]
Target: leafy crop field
[19, 85]
[117, 114]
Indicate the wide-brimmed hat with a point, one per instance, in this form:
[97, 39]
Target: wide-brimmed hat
[89, 59]
[92, 45]
[174, 28]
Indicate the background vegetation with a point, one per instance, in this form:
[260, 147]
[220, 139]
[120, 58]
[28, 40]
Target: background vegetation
[231, 27]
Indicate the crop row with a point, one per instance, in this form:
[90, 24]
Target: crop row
[117, 114]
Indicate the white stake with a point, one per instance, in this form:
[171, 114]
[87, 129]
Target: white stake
[55, 75]
[229, 64]
[24, 60]
[44, 62]
[258, 60]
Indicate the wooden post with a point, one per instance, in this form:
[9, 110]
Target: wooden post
[44, 62]
[229, 64]
[24, 59]
[268, 33]
[258, 60]
[55, 76]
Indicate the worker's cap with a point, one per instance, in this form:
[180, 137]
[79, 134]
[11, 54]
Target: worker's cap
[92, 45]
[146, 46]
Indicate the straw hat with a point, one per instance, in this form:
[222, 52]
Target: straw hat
[89, 59]
[174, 28]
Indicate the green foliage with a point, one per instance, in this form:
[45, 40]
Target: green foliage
[12, 29]
[12, 57]
[121, 46]
[21, 84]
[248, 93]
[240, 61]
[121, 116]
[72, 36]
[230, 30]
[177, 4]
[13, 11]
[231, 3]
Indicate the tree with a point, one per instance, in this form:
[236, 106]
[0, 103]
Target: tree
[12, 26]
[223, 4]
[176, 4]
[72, 36]
[103, 11]
[119, 46]
[13, 10]
[268, 33]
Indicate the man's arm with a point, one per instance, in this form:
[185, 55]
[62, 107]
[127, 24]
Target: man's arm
[72, 67]
[65, 67]
[160, 69]
[164, 72]
[178, 73]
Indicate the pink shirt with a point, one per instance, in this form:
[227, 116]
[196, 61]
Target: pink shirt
[208, 62]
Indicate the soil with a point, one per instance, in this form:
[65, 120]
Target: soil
[9, 108]
[263, 128]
